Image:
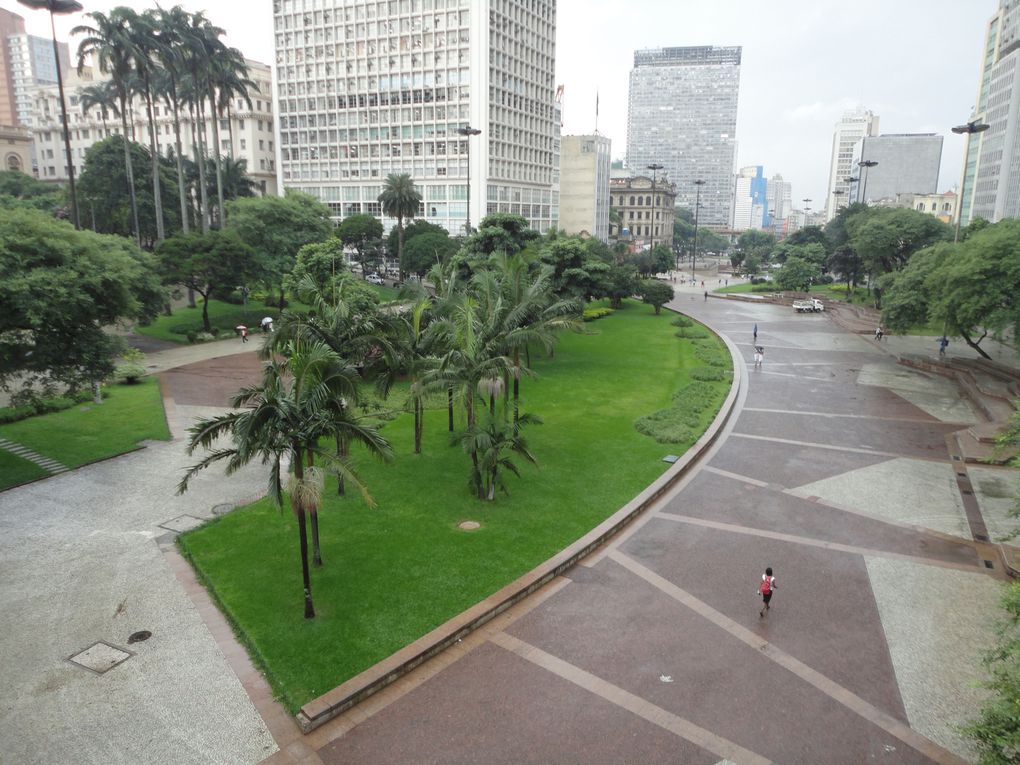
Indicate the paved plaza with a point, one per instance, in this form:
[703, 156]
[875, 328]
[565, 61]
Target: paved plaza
[834, 470]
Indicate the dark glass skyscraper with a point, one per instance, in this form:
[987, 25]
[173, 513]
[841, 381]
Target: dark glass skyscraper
[683, 115]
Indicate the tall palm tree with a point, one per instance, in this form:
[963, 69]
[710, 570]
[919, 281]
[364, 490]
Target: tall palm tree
[173, 25]
[109, 41]
[193, 38]
[282, 418]
[101, 95]
[400, 200]
[224, 69]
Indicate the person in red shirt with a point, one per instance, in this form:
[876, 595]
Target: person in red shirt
[765, 589]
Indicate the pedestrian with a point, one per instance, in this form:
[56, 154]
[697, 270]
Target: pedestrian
[943, 342]
[878, 333]
[727, 283]
[765, 589]
[702, 284]
[755, 332]
[244, 334]
[267, 325]
[706, 296]
[759, 356]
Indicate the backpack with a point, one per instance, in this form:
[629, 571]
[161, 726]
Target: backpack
[765, 588]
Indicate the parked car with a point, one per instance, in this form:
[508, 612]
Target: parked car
[374, 279]
[811, 305]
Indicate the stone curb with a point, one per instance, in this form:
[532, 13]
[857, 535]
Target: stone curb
[332, 703]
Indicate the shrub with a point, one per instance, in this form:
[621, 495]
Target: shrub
[668, 426]
[697, 396]
[708, 353]
[694, 333]
[192, 336]
[682, 321]
[234, 297]
[130, 372]
[708, 374]
[204, 337]
[594, 314]
[35, 405]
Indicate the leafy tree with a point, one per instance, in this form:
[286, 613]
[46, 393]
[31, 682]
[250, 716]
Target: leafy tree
[211, 264]
[810, 235]
[321, 262]
[424, 251]
[847, 265]
[654, 261]
[21, 190]
[619, 282]
[400, 200]
[656, 293]
[752, 265]
[574, 271]
[59, 287]
[797, 274]
[106, 202]
[411, 230]
[363, 233]
[501, 232]
[277, 227]
[757, 244]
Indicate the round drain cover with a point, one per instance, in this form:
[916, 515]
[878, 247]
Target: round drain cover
[138, 637]
[469, 525]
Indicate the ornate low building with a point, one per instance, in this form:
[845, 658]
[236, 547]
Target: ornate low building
[642, 214]
[15, 149]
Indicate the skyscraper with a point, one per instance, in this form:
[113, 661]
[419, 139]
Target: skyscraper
[750, 199]
[26, 61]
[584, 185]
[683, 115]
[367, 88]
[780, 199]
[992, 159]
[908, 163]
[854, 126]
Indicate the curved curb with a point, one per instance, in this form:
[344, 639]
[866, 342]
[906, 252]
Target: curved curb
[332, 703]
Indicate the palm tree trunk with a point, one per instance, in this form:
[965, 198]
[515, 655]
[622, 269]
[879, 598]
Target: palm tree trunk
[341, 452]
[400, 246]
[299, 510]
[214, 115]
[313, 512]
[157, 196]
[517, 389]
[418, 412]
[449, 405]
[198, 126]
[181, 186]
[129, 171]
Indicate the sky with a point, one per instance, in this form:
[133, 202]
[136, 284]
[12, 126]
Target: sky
[915, 63]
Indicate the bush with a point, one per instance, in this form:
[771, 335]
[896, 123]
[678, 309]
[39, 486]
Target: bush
[708, 353]
[192, 336]
[130, 372]
[694, 333]
[668, 426]
[204, 337]
[682, 321]
[708, 374]
[35, 406]
[697, 396]
[234, 297]
[594, 314]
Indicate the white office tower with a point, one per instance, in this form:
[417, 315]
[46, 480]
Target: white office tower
[365, 89]
[780, 199]
[854, 126]
[682, 114]
[991, 184]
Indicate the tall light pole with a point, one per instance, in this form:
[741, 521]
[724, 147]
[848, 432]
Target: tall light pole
[838, 193]
[807, 210]
[467, 131]
[697, 208]
[969, 129]
[866, 163]
[654, 167]
[850, 180]
[61, 6]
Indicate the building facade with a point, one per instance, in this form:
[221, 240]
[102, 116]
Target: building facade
[366, 89]
[247, 134]
[750, 199]
[15, 149]
[682, 114]
[780, 199]
[991, 172]
[908, 163]
[941, 206]
[854, 126]
[646, 212]
[584, 185]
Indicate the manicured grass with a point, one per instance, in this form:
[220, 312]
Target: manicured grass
[14, 470]
[747, 287]
[395, 572]
[226, 316]
[87, 432]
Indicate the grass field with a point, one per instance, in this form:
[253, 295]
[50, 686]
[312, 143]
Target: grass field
[225, 316]
[87, 432]
[14, 470]
[395, 572]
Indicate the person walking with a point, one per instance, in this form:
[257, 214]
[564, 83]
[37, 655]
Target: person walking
[244, 334]
[765, 589]
[706, 296]
[943, 342]
[879, 333]
[759, 356]
[755, 338]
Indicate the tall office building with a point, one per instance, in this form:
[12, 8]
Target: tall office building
[584, 185]
[854, 126]
[908, 163]
[26, 62]
[779, 194]
[366, 89]
[683, 115]
[11, 24]
[991, 182]
[750, 199]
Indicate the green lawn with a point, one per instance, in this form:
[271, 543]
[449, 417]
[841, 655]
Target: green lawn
[87, 433]
[395, 572]
[14, 470]
[226, 316]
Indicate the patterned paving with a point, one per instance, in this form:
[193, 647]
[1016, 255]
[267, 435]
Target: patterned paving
[46, 463]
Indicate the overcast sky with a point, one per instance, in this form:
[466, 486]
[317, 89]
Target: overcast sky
[915, 63]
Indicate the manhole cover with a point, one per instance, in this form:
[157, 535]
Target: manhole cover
[222, 509]
[139, 637]
[100, 657]
[670, 458]
[182, 523]
[469, 525]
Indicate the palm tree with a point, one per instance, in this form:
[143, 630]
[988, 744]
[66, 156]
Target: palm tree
[224, 68]
[195, 56]
[102, 94]
[110, 43]
[283, 418]
[173, 25]
[400, 200]
[492, 440]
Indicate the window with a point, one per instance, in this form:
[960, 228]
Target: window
[244, 144]
[224, 125]
[225, 144]
[240, 124]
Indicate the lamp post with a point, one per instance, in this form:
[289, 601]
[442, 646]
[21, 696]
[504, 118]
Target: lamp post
[61, 6]
[866, 163]
[835, 203]
[969, 129]
[807, 211]
[697, 208]
[654, 167]
[849, 181]
[467, 131]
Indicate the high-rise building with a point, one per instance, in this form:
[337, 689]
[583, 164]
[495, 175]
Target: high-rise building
[854, 126]
[11, 24]
[908, 163]
[991, 182]
[584, 185]
[682, 114]
[246, 134]
[26, 62]
[366, 89]
[750, 199]
[779, 194]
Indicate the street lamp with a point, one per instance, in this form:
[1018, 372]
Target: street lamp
[61, 6]
[697, 208]
[866, 163]
[850, 180]
[654, 167]
[835, 203]
[467, 131]
[969, 129]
